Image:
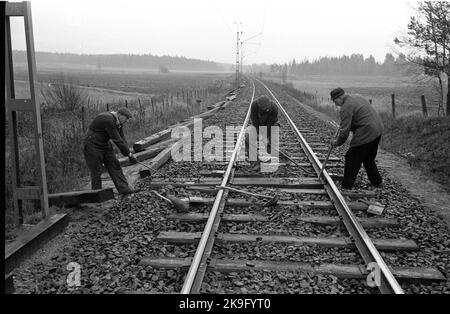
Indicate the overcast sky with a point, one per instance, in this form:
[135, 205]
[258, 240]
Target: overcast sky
[206, 29]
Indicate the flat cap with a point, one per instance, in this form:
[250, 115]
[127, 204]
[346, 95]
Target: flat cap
[335, 93]
[125, 112]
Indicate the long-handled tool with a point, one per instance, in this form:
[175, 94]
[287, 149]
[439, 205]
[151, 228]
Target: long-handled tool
[179, 205]
[290, 159]
[272, 202]
[328, 154]
[146, 173]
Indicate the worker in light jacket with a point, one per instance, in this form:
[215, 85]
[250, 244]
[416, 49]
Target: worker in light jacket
[359, 117]
[98, 149]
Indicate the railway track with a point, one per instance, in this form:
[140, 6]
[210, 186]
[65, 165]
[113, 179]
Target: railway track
[319, 233]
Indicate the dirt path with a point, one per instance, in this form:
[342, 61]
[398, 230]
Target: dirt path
[419, 184]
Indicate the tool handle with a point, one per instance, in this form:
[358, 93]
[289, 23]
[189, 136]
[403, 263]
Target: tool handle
[328, 154]
[148, 167]
[164, 198]
[240, 191]
[290, 159]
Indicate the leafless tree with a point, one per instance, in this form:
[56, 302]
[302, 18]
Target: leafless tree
[428, 42]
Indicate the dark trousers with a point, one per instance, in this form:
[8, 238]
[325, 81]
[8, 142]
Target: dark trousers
[254, 146]
[95, 156]
[364, 154]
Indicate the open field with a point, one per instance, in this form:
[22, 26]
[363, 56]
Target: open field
[378, 88]
[145, 81]
[62, 119]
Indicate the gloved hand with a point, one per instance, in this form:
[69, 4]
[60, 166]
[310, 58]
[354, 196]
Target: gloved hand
[132, 159]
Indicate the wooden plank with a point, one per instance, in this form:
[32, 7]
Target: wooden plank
[350, 271]
[152, 151]
[200, 217]
[26, 244]
[81, 197]
[163, 157]
[245, 203]
[240, 174]
[166, 134]
[247, 181]
[321, 158]
[154, 138]
[365, 222]
[242, 164]
[359, 194]
[380, 244]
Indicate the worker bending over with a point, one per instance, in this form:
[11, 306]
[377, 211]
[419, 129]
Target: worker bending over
[359, 117]
[98, 149]
[263, 112]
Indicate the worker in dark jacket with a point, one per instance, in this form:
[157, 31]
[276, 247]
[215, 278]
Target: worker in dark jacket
[263, 112]
[98, 149]
[359, 117]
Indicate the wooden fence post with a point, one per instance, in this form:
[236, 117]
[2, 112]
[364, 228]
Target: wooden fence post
[126, 103]
[424, 106]
[393, 105]
[82, 117]
[171, 100]
[107, 107]
[370, 101]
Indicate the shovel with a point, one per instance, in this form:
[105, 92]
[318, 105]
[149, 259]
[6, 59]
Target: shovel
[180, 206]
[272, 202]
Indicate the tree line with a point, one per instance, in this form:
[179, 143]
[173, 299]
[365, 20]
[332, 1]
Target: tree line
[145, 61]
[355, 64]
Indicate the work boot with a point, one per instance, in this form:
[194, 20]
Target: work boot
[131, 191]
[378, 186]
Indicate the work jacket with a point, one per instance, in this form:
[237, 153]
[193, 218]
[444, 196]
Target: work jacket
[263, 112]
[106, 126]
[359, 117]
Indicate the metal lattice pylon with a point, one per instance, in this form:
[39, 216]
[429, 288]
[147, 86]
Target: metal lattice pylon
[31, 105]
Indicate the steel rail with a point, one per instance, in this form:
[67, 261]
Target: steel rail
[387, 282]
[193, 269]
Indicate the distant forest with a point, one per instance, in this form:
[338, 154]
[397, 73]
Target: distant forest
[355, 64]
[146, 61]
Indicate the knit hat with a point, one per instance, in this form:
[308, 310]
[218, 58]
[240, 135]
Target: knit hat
[335, 93]
[125, 112]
